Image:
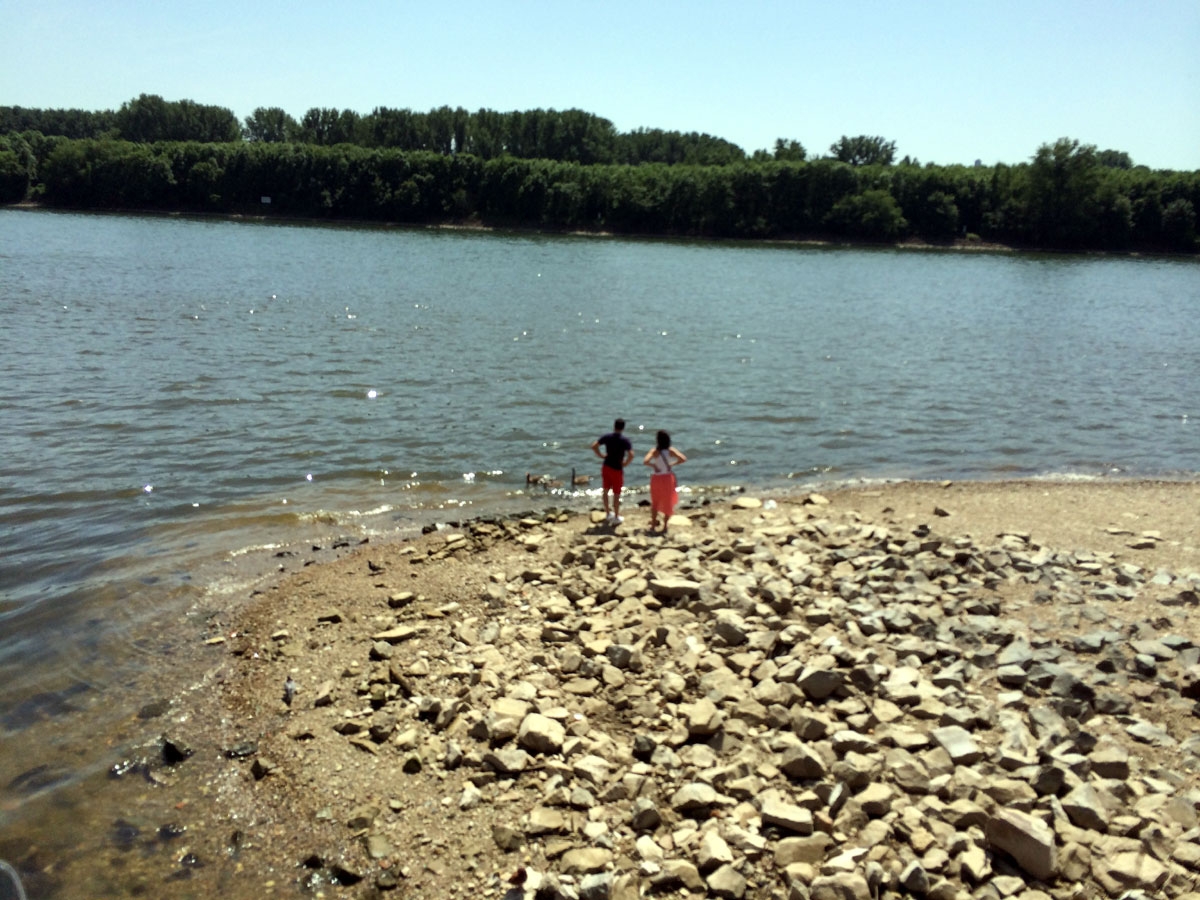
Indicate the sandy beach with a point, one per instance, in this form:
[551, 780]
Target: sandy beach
[939, 689]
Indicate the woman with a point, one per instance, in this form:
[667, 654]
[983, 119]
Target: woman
[663, 496]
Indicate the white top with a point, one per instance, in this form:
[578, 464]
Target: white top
[659, 463]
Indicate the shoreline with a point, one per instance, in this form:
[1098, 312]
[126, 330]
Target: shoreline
[957, 245]
[401, 782]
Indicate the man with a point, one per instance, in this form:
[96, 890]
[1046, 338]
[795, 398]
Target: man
[618, 453]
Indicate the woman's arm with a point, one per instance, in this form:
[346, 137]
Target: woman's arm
[649, 456]
[679, 457]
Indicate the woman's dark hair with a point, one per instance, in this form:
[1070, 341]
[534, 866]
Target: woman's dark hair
[663, 441]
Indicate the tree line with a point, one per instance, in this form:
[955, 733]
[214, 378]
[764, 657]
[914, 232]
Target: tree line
[1068, 196]
[567, 135]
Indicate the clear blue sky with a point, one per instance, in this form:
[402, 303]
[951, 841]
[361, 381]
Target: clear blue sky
[949, 82]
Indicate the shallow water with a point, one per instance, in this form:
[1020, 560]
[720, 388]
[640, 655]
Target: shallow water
[184, 399]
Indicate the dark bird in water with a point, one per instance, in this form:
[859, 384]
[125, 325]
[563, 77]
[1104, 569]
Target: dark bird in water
[289, 690]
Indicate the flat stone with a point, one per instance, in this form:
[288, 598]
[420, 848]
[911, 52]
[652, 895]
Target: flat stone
[778, 812]
[1128, 870]
[585, 860]
[1027, 839]
[809, 849]
[397, 635]
[959, 743]
[673, 588]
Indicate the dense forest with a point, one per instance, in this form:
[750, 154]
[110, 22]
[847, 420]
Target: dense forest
[573, 170]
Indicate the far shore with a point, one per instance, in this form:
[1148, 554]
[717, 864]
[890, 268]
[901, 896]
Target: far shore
[957, 245]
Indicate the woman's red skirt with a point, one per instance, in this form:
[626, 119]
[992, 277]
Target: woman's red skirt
[663, 493]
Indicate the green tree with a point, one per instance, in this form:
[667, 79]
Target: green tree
[271, 125]
[150, 118]
[1063, 202]
[864, 150]
[872, 215]
[14, 175]
[328, 127]
[1179, 225]
[790, 151]
[1114, 159]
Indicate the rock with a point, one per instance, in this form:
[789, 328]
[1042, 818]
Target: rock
[957, 742]
[1028, 840]
[876, 800]
[1085, 808]
[539, 734]
[693, 799]
[914, 878]
[1129, 870]
[713, 853]
[378, 846]
[673, 588]
[778, 812]
[809, 849]
[702, 717]
[645, 815]
[818, 683]
[507, 761]
[585, 860]
[726, 882]
[362, 818]
[397, 635]
[175, 751]
[507, 838]
[802, 763]
[841, 886]
[598, 886]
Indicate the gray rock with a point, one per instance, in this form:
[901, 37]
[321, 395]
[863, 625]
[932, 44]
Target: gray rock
[585, 860]
[1085, 808]
[840, 886]
[1028, 840]
[727, 883]
[694, 798]
[598, 886]
[673, 588]
[645, 815]
[1128, 870]
[778, 812]
[959, 743]
[539, 734]
[810, 849]
[507, 838]
[713, 852]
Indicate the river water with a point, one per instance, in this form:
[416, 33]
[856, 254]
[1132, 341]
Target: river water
[181, 398]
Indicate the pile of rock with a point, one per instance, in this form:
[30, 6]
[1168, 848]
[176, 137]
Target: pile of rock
[794, 703]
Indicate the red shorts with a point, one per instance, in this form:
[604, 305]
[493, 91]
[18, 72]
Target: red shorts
[612, 479]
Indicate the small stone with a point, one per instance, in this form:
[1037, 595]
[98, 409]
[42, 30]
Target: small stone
[507, 838]
[585, 860]
[727, 883]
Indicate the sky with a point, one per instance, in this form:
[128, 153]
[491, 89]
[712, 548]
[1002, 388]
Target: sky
[949, 82]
